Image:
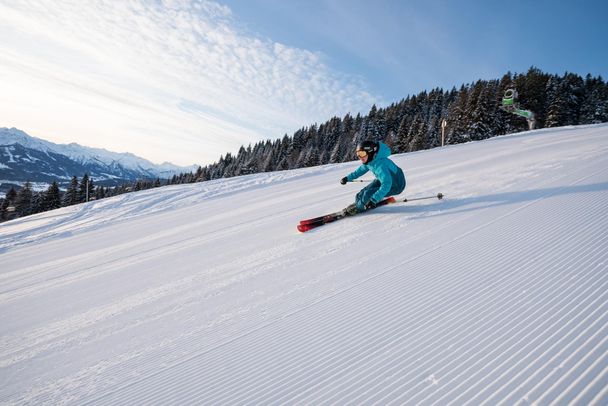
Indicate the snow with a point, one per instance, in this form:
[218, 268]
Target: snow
[8, 152]
[207, 294]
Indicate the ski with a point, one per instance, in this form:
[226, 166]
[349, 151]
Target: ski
[341, 212]
[309, 224]
[326, 220]
[321, 219]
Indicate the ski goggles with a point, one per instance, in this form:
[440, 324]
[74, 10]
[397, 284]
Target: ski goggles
[361, 153]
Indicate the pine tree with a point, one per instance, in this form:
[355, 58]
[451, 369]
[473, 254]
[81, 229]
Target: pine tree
[483, 121]
[11, 195]
[52, 197]
[23, 201]
[309, 156]
[458, 118]
[402, 135]
[282, 165]
[418, 134]
[590, 102]
[435, 117]
[3, 209]
[372, 127]
[573, 91]
[100, 193]
[8, 201]
[71, 195]
[556, 114]
[86, 188]
[37, 203]
[594, 108]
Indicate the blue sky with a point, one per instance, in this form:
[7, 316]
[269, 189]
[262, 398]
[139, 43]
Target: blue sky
[188, 80]
[403, 47]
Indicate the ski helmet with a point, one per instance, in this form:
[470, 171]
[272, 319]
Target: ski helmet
[370, 148]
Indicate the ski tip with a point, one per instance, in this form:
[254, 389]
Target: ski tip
[305, 227]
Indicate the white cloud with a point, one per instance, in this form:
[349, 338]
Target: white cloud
[173, 80]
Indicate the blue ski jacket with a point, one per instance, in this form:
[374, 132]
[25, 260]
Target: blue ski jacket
[391, 177]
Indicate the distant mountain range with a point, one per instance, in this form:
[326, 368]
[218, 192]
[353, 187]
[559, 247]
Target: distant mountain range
[25, 158]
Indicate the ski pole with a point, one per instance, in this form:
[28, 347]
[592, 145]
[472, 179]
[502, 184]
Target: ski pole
[438, 196]
[361, 180]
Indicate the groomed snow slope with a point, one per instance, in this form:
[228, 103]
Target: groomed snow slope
[207, 294]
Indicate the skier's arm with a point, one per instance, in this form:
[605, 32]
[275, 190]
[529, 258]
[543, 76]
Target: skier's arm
[360, 171]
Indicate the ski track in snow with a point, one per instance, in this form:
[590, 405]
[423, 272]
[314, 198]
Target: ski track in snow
[206, 294]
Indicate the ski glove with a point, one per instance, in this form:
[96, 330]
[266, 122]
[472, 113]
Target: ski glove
[370, 205]
[344, 180]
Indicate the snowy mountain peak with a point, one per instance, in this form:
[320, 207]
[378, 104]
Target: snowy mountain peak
[26, 158]
[10, 136]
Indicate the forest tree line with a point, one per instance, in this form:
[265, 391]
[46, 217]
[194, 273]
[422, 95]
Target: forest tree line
[26, 201]
[472, 112]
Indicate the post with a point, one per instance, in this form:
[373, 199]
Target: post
[87, 192]
[444, 124]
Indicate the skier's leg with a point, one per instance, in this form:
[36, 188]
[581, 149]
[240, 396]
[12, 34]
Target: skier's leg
[365, 194]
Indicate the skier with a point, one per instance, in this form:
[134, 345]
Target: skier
[389, 181]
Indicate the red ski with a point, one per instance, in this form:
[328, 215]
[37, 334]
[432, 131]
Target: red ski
[309, 224]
